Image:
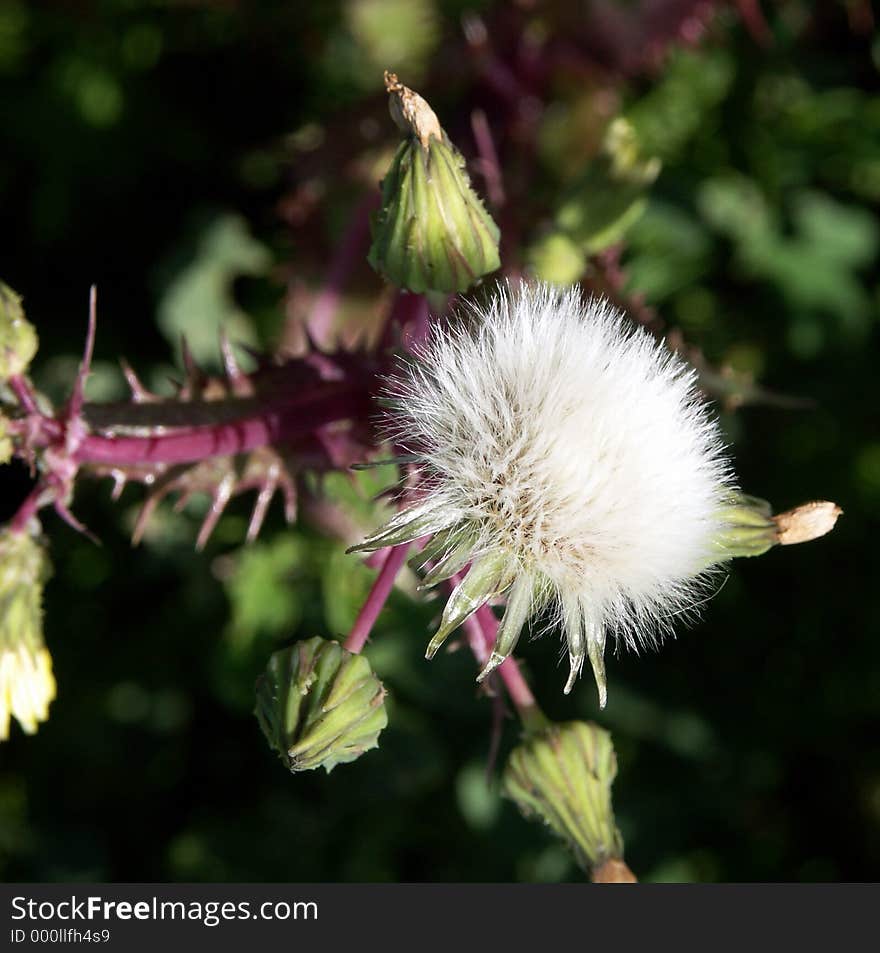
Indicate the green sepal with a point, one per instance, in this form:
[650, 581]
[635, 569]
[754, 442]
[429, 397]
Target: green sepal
[747, 529]
[519, 605]
[487, 577]
[412, 523]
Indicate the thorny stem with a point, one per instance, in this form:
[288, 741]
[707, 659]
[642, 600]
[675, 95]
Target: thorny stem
[376, 599]
[264, 426]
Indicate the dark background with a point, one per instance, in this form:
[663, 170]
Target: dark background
[160, 150]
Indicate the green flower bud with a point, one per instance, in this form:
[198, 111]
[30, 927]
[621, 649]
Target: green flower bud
[319, 705]
[27, 685]
[562, 775]
[18, 339]
[750, 528]
[432, 232]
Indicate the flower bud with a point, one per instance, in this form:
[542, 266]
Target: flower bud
[27, 685]
[750, 528]
[18, 339]
[319, 705]
[562, 775]
[432, 232]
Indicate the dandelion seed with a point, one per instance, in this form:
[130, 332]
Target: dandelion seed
[569, 463]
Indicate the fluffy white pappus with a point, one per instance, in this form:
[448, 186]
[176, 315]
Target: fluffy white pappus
[571, 460]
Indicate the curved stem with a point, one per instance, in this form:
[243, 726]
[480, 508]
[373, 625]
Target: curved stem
[376, 599]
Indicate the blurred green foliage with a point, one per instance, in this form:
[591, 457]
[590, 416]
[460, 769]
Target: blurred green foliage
[137, 139]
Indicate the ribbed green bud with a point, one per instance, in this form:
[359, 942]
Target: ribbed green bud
[319, 705]
[18, 339]
[27, 685]
[562, 775]
[432, 232]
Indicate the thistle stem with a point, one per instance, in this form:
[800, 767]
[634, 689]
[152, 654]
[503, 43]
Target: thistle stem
[23, 391]
[269, 425]
[377, 598]
[28, 508]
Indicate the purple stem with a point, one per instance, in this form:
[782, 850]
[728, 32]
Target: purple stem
[351, 250]
[22, 389]
[28, 508]
[272, 425]
[377, 598]
[489, 165]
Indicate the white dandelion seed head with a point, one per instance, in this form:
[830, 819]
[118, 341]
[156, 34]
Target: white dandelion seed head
[574, 455]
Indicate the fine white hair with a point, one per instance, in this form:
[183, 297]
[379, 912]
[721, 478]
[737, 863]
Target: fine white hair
[553, 431]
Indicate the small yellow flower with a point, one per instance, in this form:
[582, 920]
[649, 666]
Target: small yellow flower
[27, 686]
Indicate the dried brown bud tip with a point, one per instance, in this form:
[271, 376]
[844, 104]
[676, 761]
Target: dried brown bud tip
[613, 871]
[805, 522]
[410, 112]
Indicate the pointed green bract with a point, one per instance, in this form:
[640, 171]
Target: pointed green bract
[450, 563]
[407, 525]
[320, 705]
[485, 579]
[519, 605]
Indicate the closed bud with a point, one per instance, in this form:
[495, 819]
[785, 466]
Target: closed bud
[749, 527]
[27, 685]
[432, 232]
[562, 775]
[18, 339]
[319, 705]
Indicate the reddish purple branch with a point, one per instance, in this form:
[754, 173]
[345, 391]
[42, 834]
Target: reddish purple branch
[272, 425]
[377, 598]
[489, 165]
[24, 393]
[28, 508]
